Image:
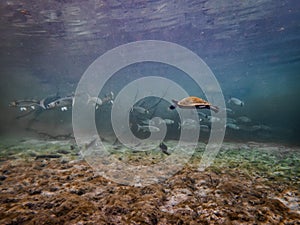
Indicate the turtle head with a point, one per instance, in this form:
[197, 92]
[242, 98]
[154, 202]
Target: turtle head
[172, 107]
[175, 104]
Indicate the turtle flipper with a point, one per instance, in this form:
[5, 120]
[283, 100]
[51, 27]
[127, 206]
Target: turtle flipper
[214, 108]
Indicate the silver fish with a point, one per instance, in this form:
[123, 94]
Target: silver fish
[139, 109]
[265, 127]
[189, 126]
[231, 120]
[228, 110]
[148, 122]
[204, 128]
[213, 119]
[168, 121]
[188, 122]
[236, 101]
[232, 126]
[98, 101]
[25, 105]
[61, 102]
[244, 119]
[202, 114]
[255, 128]
[260, 127]
[148, 128]
[165, 121]
[94, 100]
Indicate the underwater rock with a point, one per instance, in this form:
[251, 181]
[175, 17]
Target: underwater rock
[290, 200]
[53, 189]
[34, 191]
[80, 191]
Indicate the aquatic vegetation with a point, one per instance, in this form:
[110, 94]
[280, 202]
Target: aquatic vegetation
[32, 148]
[242, 186]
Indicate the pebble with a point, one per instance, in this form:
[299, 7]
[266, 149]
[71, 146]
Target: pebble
[35, 191]
[2, 178]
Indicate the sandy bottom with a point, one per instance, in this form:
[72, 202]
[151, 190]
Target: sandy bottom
[47, 182]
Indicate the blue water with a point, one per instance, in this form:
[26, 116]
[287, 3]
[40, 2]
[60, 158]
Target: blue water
[252, 47]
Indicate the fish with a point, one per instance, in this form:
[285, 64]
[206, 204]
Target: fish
[189, 127]
[33, 106]
[202, 114]
[109, 98]
[164, 148]
[168, 121]
[232, 126]
[148, 122]
[204, 128]
[236, 101]
[265, 127]
[61, 102]
[139, 109]
[244, 119]
[231, 120]
[25, 105]
[94, 100]
[148, 128]
[188, 122]
[45, 101]
[160, 121]
[260, 127]
[255, 128]
[229, 110]
[213, 119]
[90, 144]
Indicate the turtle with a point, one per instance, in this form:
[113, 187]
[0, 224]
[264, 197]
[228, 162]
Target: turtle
[193, 102]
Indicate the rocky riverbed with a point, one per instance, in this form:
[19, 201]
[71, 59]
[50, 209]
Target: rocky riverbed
[48, 182]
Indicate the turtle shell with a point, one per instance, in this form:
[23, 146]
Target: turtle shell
[192, 101]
